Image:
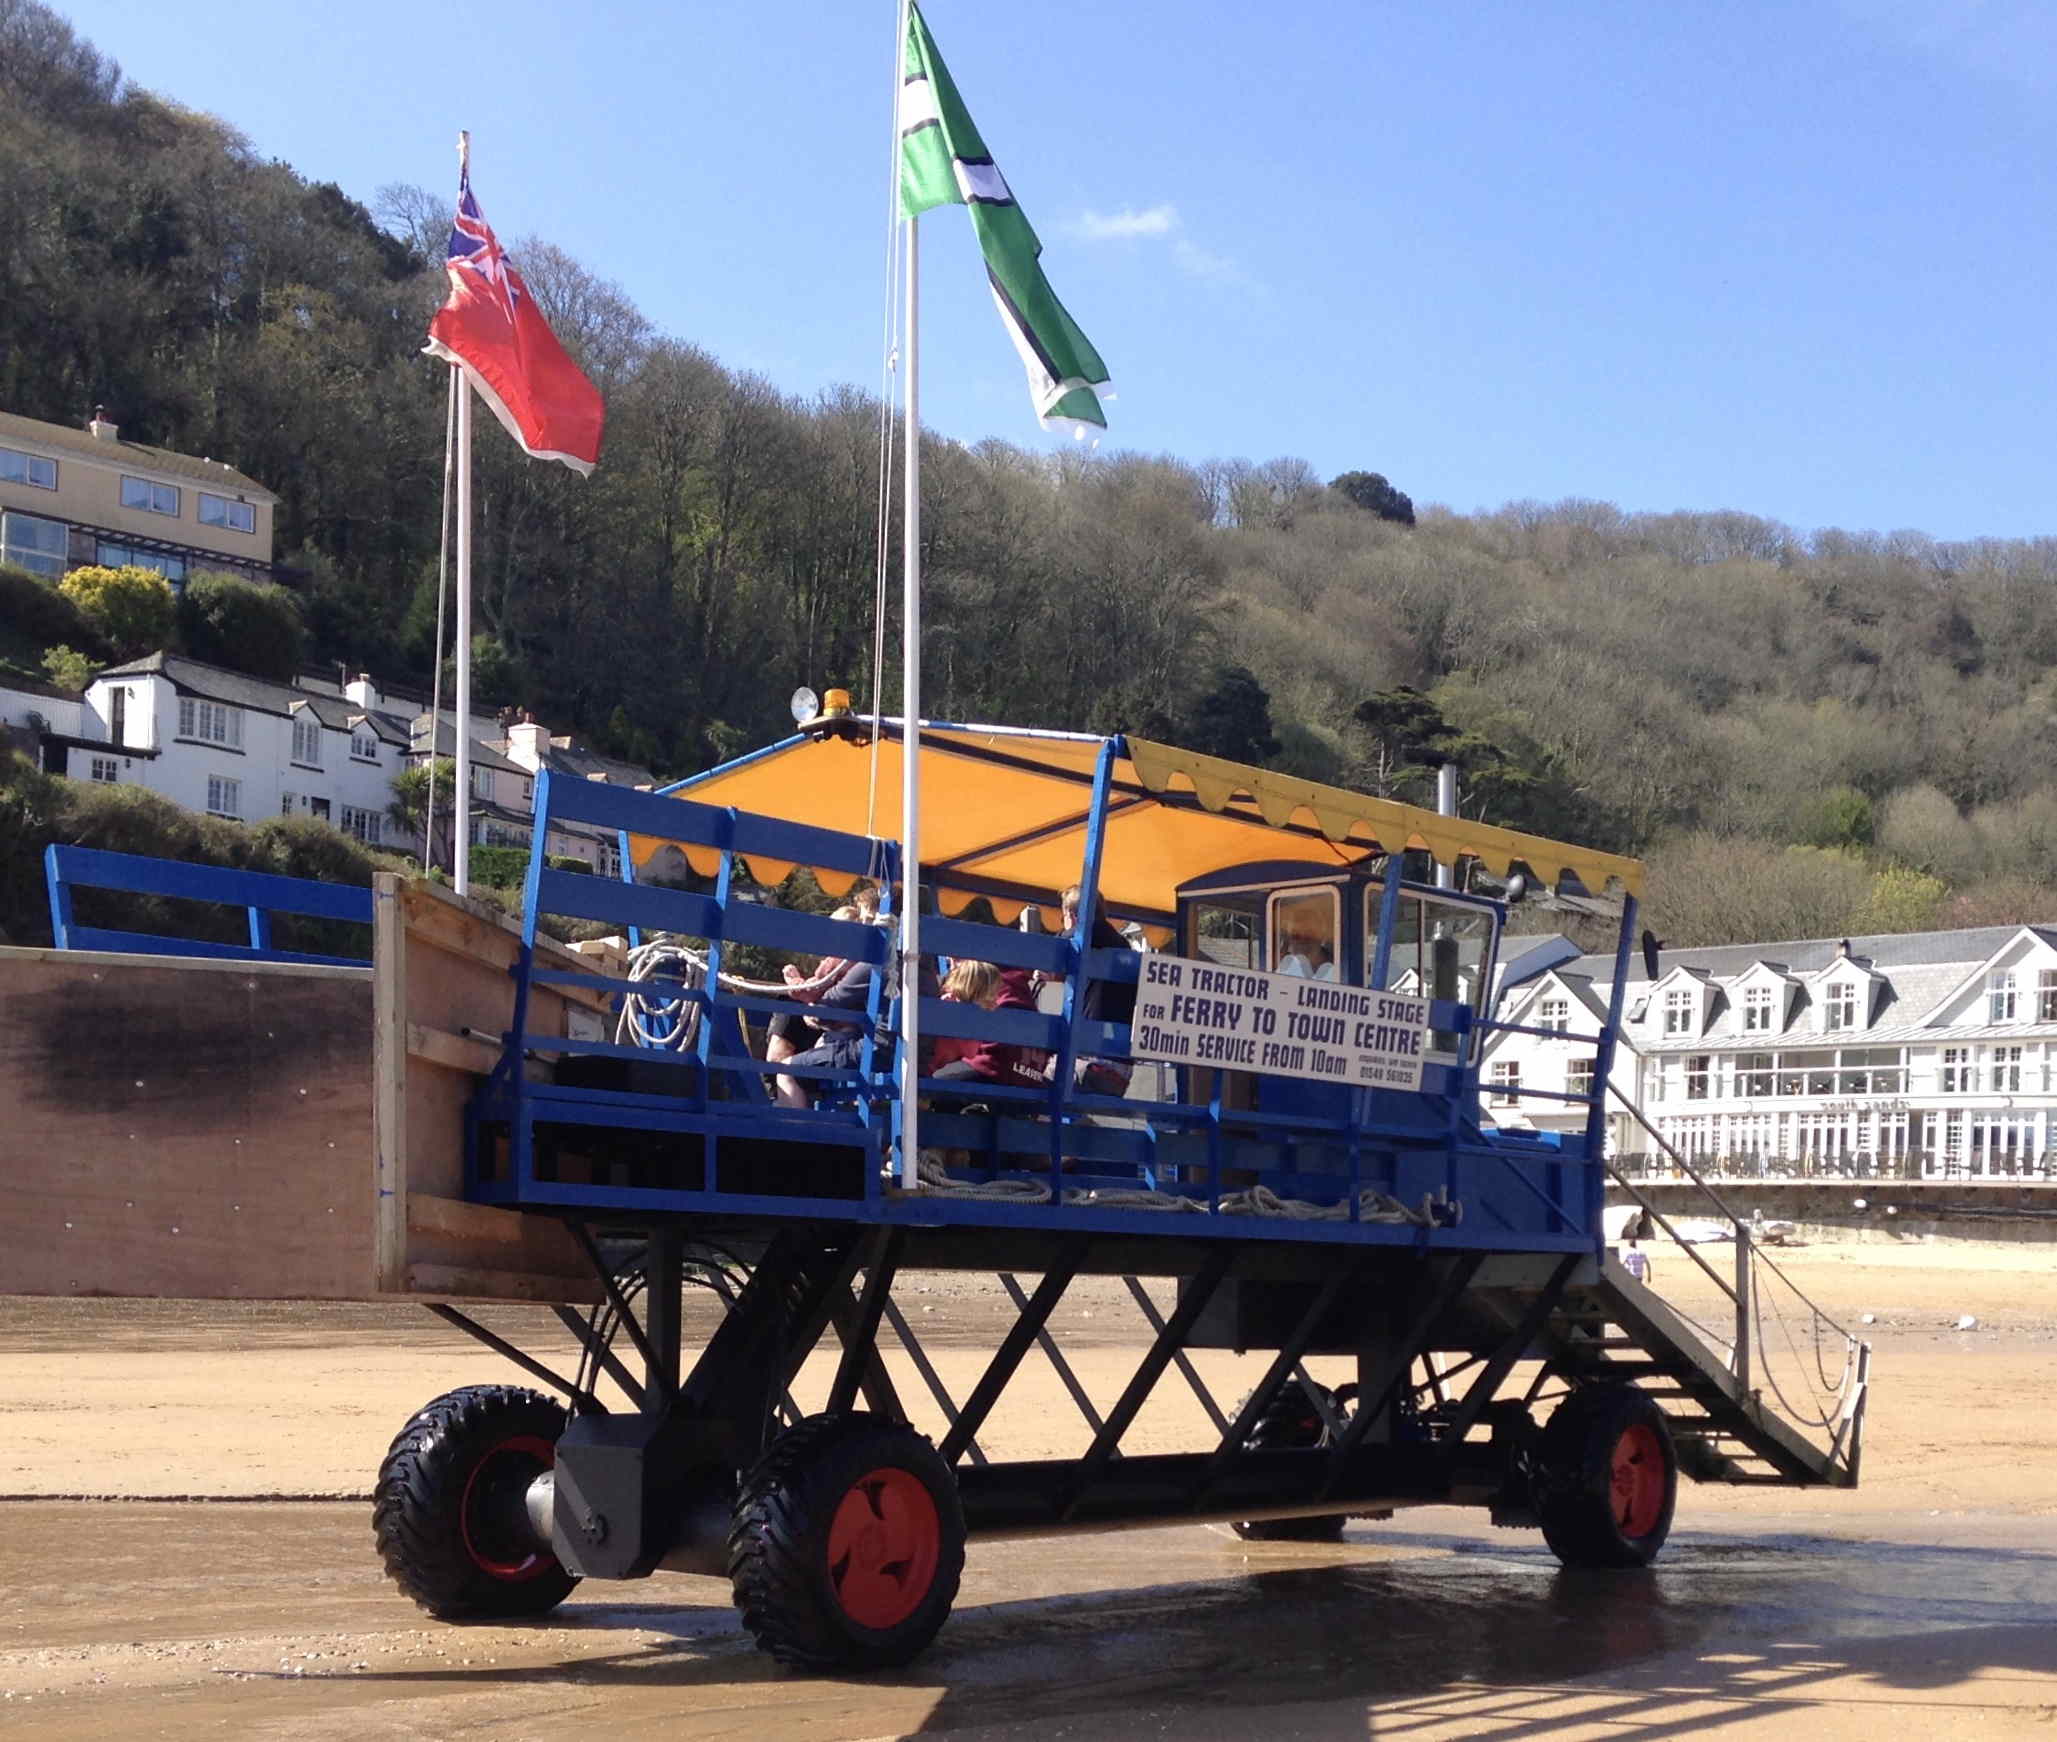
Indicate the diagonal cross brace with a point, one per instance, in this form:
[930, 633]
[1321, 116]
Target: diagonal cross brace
[1031, 1316]
[1376, 1399]
[1048, 1344]
[1179, 1357]
[1191, 1304]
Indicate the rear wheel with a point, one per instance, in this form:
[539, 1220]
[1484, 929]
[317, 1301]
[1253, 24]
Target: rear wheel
[1607, 1479]
[848, 1544]
[1293, 1418]
[450, 1514]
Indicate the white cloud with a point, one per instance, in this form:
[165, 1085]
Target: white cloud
[1125, 225]
[2007, 41]
[1197, 262]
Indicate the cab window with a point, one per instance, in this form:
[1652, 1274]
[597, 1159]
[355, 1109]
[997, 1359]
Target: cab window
[1305, 928]
[1441, 949]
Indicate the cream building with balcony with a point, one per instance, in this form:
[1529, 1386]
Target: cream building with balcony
[74, 497]
[1930, 1054]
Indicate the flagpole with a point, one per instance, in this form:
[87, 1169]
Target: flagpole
[460, 849]
[460, 845]
[910, 707]
[428, 827]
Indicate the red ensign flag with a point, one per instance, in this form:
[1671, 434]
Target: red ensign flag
[491, 325]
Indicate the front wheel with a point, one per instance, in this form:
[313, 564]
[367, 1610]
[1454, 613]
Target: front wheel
[847, 1545]
[1607, 1479]
[450, 1514]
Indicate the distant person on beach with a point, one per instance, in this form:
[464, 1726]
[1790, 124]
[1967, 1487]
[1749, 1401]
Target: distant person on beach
[1637, 1262]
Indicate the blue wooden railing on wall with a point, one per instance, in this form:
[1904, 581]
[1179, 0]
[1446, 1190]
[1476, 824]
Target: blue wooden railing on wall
[259, 893]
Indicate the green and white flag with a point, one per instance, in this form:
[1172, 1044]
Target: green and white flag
[943, 161]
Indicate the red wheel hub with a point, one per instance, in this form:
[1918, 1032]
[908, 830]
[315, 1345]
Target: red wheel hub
[493, 1512]
[885, 1544]
[1638, 1481]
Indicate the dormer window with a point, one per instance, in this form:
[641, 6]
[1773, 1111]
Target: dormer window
[364, 744]
[307, 739]
[1678, 1012]
[2000, 997]
[1758, 1003]
[1839, 1007]
[1554, 1014]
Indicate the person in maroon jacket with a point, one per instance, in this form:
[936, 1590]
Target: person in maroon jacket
[965, 1061]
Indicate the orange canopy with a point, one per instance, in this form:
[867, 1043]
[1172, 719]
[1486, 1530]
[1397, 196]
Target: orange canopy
[1004, 815]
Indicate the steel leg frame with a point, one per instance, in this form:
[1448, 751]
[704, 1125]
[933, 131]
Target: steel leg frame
[716, 1413]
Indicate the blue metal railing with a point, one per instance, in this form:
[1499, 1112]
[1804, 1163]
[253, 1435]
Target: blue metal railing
[260, 894]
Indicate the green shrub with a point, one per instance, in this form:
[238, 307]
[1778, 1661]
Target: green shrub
[503, 866]
[38, 612]
[243, 624]
[133, 610]
[67, 668]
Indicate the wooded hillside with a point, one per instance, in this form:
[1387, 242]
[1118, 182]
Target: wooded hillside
[1809, 733]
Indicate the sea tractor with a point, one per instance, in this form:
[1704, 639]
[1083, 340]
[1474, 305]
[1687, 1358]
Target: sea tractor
[1294, 979]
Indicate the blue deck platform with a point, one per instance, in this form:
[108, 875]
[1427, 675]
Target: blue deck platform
[640, 1131]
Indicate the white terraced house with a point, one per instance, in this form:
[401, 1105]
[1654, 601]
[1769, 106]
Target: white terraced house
[1930, 1054]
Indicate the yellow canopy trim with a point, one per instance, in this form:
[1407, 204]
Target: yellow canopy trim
[1004, 812]
[1345, 816]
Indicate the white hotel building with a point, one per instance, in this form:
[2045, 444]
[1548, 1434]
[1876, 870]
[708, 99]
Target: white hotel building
[1930, 1054]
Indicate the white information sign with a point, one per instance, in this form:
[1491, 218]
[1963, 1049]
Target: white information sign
[1200, 1013]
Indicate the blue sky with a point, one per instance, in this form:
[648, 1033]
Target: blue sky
[1793, 258]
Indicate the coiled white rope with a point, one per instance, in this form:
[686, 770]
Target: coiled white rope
[669, 1021]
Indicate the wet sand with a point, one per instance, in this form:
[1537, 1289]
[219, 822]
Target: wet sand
[1925, 1602]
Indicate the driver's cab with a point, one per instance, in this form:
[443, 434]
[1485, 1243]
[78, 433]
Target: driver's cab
[1346, 925]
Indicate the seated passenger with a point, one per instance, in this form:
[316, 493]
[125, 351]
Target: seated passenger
[961, 1060]
[1104, 1001]
[839, 1045]
[787, 1033]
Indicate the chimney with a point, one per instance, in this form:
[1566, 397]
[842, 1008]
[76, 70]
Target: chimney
[526, 743]
[100, 428]
[363, 691]
[1843, 951]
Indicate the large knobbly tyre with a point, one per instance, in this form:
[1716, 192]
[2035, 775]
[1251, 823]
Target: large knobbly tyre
[1292, 1418]
[450, 1513]
[847, 1545]
[1607, 1478]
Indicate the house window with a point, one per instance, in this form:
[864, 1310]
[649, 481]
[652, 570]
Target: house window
[608, 861]
[1699, 1076]
[1840, 1010]
[481, 783]
[365, 825]
[106, 770]
[225, 511]
[118, 714]
[1958, 1076]
[34, 544]
[287, 802]
[1506, 1081]
[1554, 1014]
[364, 744]
[1757, 1002]
[2000, 1000]
[1578, 1076]
[2046, 995]
[20, 468]
[224, 796]
[126, 556]
[151, 498]
[1678, 1012]
[2004, 1062]
[307, 738]
[1754, 1073]
[211, 723]
[528, 793]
